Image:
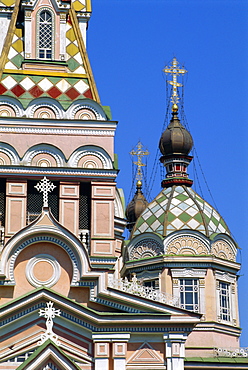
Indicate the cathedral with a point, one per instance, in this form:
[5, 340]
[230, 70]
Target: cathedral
[73, 293]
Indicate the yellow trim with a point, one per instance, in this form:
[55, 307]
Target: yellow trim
[88, 6]
[43, 73]
[84, 54]
[9, 37]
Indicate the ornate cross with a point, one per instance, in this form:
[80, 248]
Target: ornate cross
[49, 313]
[45, 186]
[175, 71]
[140, 154]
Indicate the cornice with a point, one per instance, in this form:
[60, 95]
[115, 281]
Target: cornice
[56, 131]
[54, 171]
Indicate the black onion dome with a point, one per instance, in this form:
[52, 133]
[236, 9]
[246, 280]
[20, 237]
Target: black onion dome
[135, 208]
[175, 139]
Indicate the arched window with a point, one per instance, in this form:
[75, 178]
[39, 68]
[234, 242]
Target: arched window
[45, 34]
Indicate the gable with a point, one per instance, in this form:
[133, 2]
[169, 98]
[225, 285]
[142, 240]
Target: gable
[48, 357]
[146, 354]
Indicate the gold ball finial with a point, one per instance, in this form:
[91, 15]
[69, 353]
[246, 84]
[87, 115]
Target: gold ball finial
[174, 108]
[139, 184]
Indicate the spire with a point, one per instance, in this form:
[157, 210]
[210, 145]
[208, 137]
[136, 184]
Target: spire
[139, 202]
[175, 142]
[52, 63]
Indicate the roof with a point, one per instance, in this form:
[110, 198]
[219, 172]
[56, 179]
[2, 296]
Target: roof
[177, 208]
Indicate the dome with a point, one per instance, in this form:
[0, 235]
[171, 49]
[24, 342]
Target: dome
[137, 205]
[178, 208]
[175, 139]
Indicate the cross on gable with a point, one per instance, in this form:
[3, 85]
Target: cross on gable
[45, 186]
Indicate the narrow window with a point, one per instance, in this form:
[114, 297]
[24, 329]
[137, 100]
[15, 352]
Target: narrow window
[151, 283]
[189, 294]
[224, 301]
[45, 34]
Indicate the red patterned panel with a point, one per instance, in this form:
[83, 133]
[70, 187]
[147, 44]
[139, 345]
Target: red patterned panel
[2, 89]
[88, 94]
[18, 90]
[36, 91]
[54, 92]
[72, 93]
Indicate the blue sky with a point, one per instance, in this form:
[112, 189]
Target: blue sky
[130, 42]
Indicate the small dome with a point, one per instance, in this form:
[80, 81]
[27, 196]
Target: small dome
[175, 139]
[178, 208]
[137, 205]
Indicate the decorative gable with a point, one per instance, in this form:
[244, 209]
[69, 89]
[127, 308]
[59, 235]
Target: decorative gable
[146, 354]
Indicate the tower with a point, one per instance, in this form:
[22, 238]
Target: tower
[181, 245]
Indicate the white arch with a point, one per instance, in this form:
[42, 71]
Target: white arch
[187, 233]
[44, 148]
[86, 104]
[28, 236]
[90, 150]
[13, 103]
[54, 105]
[10, 152]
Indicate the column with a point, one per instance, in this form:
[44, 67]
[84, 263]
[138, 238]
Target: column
[175, 350]
[102, 219]
[119, 354]
[69, 206]
[101, 355]
[16, 199]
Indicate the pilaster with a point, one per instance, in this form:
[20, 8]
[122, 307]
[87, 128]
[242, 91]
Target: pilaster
[110, 351]
[69, 206]
[16, 204]
[102, 233]
[175, 350]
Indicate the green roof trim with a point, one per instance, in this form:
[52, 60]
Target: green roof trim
[116, 165]
[241, 360]
[40, 349]
[107, 111]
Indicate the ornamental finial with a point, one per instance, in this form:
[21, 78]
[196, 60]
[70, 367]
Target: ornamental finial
[49, 313]
[45, 186]
[140, 154]
[175, 71]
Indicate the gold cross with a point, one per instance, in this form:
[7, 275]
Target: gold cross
[175, 71]
[140, 154]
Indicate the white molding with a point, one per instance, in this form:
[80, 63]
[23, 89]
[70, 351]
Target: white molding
[51, 150]
[85, 103]
[91, 150]
[57, 131]
[43, 258]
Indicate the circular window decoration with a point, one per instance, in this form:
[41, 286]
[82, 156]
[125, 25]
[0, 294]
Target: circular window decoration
[6, 111]
[44, 113]
[43, 270]
[85, 114]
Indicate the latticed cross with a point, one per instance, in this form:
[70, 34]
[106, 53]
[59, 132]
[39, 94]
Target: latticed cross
[45, 186]
[49, 313]
[175, 71]
[140, 154]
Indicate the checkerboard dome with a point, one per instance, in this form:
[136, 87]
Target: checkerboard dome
[178, 208]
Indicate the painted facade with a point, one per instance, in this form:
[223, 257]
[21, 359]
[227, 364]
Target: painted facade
[73, 295]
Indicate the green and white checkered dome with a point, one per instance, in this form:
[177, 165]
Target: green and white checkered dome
[178, 208]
